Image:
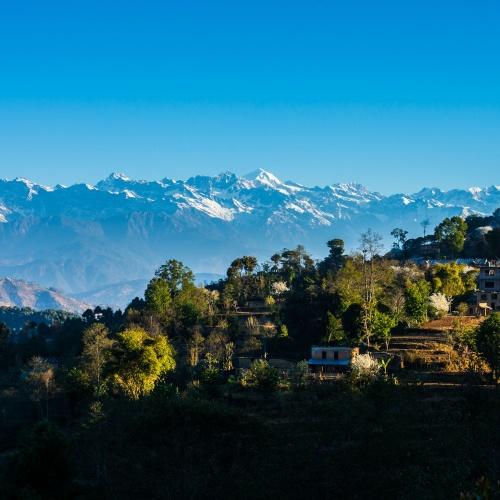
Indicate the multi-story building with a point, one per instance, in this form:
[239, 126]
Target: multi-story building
[488, 284]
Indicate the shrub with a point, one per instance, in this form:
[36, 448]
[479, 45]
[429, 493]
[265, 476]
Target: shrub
[299, 375]
[462, 335]
[210, 373]
[463, 359]
[261, 376]
[364, 369]
[488, 342]
[439, 305]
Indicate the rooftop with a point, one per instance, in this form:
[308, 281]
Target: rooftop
[329, 362]
[491, 263]
[332, 348]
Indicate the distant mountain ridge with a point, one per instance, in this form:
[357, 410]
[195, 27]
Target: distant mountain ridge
[84, 238]
[19, 293]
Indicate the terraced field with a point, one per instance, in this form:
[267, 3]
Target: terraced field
[425, 355]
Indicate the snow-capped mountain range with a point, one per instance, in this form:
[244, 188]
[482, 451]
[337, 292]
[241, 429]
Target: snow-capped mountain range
[83, 237]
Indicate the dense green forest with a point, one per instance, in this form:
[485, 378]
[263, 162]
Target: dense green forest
[150, 402]
[16, 318]
[474, 236]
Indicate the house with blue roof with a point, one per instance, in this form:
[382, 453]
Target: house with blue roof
[331, 359]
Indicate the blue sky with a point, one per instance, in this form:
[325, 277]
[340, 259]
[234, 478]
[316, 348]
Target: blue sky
[395, 95]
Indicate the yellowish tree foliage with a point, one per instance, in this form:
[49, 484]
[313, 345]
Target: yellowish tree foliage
[140, 360]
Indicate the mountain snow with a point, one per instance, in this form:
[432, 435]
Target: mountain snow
[228, 197]
[85, 237]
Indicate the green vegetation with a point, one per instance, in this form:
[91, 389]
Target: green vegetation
[139, 360]
[488, 342]
[203, 392]
[474, 236]
[417, 301]
[16, 317]
[450, 235]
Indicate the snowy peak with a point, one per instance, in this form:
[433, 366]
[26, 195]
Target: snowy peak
[263, 177]
[117, 176]
[20, 190]
[229, 198]
[114, 182]
[220, 183]
[353, 192]
[81, 237]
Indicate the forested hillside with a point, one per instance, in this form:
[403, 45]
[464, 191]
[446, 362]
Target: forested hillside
[205, 391]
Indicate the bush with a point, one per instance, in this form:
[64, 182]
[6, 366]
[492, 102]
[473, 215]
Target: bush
[462, 335]
[364, 369]
[299, 375]
[439, 305]
[211, 376]
[210, 373]
[463, 359]
[261, 376]
[488, 342]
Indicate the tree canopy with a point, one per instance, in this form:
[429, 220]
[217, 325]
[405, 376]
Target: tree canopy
[139, 361]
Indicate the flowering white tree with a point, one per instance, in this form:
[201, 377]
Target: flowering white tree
[439, 303]
[364, 368]
[279, 287]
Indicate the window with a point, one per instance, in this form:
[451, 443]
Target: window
[323, 354]
[489, 284]
[493, 306]
[484, 296]
[494, 296]
[489, 272]
[336, 355]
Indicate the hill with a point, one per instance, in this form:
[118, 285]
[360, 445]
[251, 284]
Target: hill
[22, 294]
[82, 238]
[16, 318]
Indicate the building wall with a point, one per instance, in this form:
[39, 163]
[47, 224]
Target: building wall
[343, 353]
[488, 293]
[491, 299]
[489, 279]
